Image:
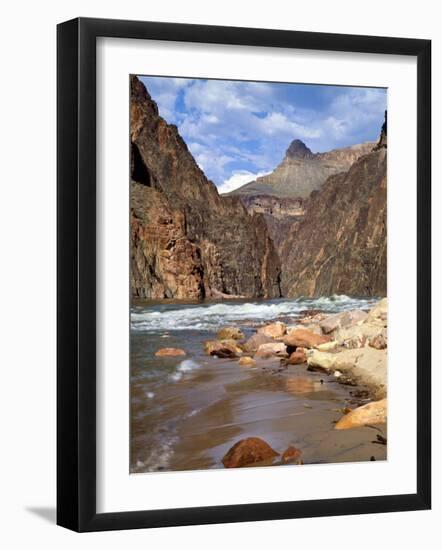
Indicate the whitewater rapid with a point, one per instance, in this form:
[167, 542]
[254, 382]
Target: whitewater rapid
[210, 316]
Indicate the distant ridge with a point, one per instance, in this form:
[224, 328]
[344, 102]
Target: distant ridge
[302, 171]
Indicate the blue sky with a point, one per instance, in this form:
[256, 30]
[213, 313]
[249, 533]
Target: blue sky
[238, 130]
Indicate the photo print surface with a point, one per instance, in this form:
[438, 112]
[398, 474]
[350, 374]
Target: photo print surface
[258, 271]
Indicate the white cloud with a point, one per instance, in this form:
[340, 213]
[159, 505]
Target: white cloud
[238, 179]
[236, 128]
[278, 123]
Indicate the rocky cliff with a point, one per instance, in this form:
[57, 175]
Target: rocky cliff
[279, 213]
[186, 240]
[340, 246]
[302, 171]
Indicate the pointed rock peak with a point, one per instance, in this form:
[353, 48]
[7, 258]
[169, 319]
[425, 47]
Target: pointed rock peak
[298, 150]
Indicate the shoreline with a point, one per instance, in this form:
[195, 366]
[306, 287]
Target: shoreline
[255, 359]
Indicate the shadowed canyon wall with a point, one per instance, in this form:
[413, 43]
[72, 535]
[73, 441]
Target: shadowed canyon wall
[340, 246]
[186, 240]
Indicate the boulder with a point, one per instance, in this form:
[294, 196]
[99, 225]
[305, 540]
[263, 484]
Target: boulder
[322, 360]
[248, 451]
[357, 336]
[169, 352]
[342, 320]
[255, 341]
[291, 455]
[247, 361]
[274, 330]
[371, 413]
[328, 346]
[304, 338]
[379, 341]
[297, 357]
[378, 314]
[271, 349]
[222, 348]
[230, 333]
[313, 327]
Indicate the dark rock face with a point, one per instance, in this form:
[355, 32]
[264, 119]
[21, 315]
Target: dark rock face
[302, 171]
[298, 150]
[186, 240]
[340, 246]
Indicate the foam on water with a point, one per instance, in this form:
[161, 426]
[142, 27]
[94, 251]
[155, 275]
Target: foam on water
[175, 317]
[186, 366]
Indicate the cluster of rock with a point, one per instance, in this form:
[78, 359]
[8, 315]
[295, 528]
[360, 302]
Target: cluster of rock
[351, 345]
[186, 240]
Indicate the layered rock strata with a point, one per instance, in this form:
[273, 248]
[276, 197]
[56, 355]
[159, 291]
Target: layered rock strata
[188, 242]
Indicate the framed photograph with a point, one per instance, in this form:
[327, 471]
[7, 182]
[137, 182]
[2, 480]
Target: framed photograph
[243, 274]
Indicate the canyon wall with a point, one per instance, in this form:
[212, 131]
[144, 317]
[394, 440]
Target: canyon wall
[340, 246]
[188, 242]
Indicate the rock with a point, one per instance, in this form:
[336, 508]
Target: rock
[357, 336]
[291, 455]
[248, 451]
[222, 348]
[340, 244]
[331, 361]
[379, 341]
[169, 352]
[366, 365]
[378, 314]
[274, 330]
[271, 349]
[311, 316]
[230, 333]
[297, 357]
[342, 320]
[187, 240]
[302, 171]
[312, 327]
[257, 340]
[304, 338]
[371, 413]
[247, 361]
[328, 346]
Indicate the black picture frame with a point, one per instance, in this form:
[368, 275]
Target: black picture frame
[76, 273]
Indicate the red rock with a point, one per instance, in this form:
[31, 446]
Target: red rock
[304, 338]
[274, 330]
[222, 348]
[248, 451]
[169, 352]
[292, 454]
[297, 357]
[271, 349]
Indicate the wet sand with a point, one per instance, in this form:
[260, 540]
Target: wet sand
[189, 419]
